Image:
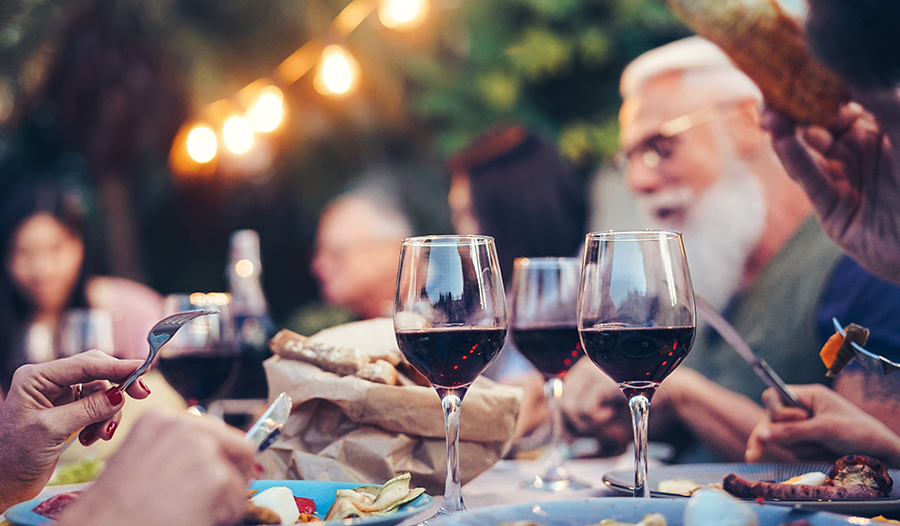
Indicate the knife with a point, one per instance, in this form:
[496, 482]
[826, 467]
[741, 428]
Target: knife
[268, 427]
[760, 367]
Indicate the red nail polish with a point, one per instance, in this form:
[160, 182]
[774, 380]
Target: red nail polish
[143, 386]
[111, 428]
[87, 438]
[114, 396]
[259, 469]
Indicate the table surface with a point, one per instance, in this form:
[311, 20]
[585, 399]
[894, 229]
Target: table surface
[503, 484]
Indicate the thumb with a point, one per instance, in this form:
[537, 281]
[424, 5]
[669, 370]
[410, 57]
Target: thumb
[89, 410]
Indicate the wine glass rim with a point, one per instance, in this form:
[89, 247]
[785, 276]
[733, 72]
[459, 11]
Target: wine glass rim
[635, 235]
[448, 239]
[546, 262]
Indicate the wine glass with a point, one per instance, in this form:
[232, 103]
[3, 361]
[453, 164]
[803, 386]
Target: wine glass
[201, 361]
[450, 322]
[636, 318]
[544, 327]
[84, 329]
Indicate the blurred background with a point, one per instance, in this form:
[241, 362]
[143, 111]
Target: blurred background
[104, 94]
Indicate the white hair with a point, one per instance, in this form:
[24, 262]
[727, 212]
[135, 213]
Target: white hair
[705, 69]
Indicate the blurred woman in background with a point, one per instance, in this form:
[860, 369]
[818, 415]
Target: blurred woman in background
[46, 272]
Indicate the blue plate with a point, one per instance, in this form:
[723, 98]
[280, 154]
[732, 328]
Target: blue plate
[322, 493]
[579, 512]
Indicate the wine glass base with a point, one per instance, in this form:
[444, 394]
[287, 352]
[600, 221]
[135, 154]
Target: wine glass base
[554, 485]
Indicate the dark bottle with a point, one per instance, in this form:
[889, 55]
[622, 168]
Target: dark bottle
[253, 325]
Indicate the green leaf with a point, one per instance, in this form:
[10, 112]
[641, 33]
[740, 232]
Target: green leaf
[541, 54]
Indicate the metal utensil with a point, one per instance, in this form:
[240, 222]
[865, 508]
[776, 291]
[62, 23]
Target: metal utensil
[873, 362]
[268, 427]
[161, 333]
[760, 367]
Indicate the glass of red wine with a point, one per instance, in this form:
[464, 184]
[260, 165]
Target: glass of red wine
[202, 359]
[636, 318]
[450, 322]
[544, 328]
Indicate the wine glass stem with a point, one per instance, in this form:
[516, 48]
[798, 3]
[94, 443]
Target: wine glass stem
[640, 408]
[553, 389]
[451, 401]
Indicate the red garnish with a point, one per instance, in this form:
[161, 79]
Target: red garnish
[760, 500]
[54, 506]
[305, 505]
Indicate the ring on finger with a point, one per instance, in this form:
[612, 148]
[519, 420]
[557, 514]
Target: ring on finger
[77, 391]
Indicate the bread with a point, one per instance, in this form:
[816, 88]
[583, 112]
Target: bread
[338, 359]
[768, 45]
[374, 337]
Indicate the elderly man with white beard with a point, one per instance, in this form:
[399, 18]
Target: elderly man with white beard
[698, 162]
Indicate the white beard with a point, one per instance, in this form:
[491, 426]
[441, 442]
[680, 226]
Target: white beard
[720, 228]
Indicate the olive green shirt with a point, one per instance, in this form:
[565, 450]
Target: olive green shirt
[776, 315]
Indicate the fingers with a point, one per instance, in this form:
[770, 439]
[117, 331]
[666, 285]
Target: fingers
[85, 367]
[777, 410]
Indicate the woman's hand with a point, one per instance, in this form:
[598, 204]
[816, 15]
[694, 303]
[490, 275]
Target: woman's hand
[171, 470]
[835, 428]
[41, 412]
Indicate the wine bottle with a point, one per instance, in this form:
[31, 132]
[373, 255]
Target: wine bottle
[253, 325]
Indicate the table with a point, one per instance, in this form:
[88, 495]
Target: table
[502, 484]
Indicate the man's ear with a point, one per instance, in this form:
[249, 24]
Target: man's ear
[744, 127]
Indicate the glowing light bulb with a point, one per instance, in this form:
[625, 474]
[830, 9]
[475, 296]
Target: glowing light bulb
[268, 111]
[238, 134]
[201, 144]
[395, 13]
[337, 72]
[244, 268]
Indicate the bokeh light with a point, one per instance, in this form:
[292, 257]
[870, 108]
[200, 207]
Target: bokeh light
[402, 13]
[201, 144]
[238, 134]
[268, 111]
[337, 71]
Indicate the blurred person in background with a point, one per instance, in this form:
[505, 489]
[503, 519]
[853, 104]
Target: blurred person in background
[172, 469]
[699, 162]
[47, 271]
[357, 251]
[513, 185]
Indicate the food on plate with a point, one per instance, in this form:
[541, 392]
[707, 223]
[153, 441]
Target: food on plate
[55, 505]
[853, 477]
[277, 499]
[714, 507]
[768, 45]
[813, 478]
[84, 470]
[853, 470]
[651, 519]
[837, 352]
[366, 501]
[682, 486]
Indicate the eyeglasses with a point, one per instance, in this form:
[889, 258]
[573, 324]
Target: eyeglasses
[661, 146]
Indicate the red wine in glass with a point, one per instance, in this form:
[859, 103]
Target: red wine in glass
[451, 357]
[637, 354]
[636, 318]
[553, 350]
[199, 378]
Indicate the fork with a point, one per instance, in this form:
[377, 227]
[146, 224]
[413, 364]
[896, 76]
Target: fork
[161, 333]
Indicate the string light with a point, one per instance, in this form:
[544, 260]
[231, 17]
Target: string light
[201, 144]
[238, 134]
[192, 151]
[268, 111]
[337, 72]
[402, 13]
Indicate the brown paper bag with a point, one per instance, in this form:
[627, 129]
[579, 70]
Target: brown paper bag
[349, 429]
